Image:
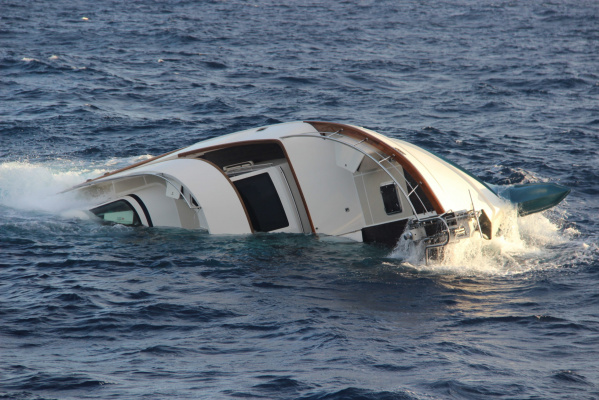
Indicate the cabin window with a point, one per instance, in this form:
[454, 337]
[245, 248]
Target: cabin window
[390, 198]
[118, 212]
[262, 202]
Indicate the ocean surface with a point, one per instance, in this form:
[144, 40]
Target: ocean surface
[506, 89]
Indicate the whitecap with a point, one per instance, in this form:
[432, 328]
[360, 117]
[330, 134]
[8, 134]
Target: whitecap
[534, 242]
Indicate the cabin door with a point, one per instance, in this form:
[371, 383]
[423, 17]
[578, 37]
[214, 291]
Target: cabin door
[268, 200]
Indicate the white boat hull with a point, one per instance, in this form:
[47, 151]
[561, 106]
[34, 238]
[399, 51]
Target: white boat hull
[307, 177]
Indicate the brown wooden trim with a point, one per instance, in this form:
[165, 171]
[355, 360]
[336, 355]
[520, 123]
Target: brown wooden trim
[247, 215]
[360, 134]
[137, 164]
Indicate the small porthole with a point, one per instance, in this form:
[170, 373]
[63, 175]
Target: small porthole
[390, 198]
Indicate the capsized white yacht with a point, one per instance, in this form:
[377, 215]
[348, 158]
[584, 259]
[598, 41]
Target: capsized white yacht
[321, 178]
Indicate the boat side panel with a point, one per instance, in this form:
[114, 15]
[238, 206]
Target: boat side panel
[221, 205]
[386, 145]
[163, 210]
[369, 184]
[329, 190]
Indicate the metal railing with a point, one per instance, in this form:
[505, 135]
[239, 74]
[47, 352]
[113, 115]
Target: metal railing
[377, 157]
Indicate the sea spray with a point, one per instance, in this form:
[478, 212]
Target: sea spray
[29, 186]
[522, 244]
[33, 186]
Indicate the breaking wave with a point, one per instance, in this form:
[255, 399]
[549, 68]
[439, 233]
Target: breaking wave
[537, 241]
[36, 187]
[39, 186]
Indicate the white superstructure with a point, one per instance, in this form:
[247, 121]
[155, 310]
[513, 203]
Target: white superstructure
[308, 177]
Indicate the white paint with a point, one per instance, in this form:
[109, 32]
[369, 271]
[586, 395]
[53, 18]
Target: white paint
[214, 192]
[328, 189]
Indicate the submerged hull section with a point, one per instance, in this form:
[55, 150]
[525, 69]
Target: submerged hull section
[534, 197]
[314, 178]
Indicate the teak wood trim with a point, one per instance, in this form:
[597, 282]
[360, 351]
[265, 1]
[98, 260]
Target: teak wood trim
[360, 134]
[137, 164]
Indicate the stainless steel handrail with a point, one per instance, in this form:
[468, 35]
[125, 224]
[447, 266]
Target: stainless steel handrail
[367, 155]
[437, 245]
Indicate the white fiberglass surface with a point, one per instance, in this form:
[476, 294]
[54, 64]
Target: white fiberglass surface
[329, 190]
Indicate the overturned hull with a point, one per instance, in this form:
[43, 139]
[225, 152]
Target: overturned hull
[314, 178]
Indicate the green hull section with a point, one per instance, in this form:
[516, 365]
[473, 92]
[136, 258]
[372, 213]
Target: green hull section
[530, 198]
[533, 197]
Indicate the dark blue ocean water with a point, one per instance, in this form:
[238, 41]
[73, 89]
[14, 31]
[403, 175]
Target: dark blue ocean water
[509, 90]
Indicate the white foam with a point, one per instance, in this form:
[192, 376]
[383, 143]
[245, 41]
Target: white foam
[36, 187]
[26, 185]
[525, 243]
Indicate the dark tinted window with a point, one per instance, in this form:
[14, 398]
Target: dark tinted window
[119, 212]
[256, 153]
[390, 199]
[262, 203]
